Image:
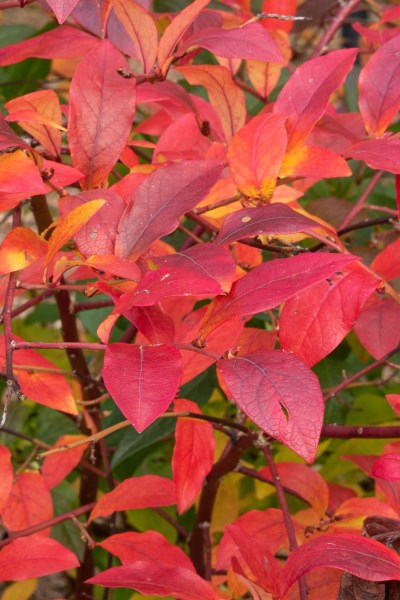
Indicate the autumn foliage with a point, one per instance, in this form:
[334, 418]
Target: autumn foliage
[199, 276]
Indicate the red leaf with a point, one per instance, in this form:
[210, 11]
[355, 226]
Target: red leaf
[175, 31]
[280, 7]
[268, 387]
[253, 160]
[378, 326]
[247, 42]
[97, 95]
[98, 235]
[355, 554]
[62, 8]
[34, 556]
[160, 201]
[148, 577]
[20, 248]
[193, 454]
[6, 476]
[394, 401]
[29, 503]
[150, 545]
[304, 99]
[265, 567]
[269, 284]
[203, 259]
[387, 262]
[378, 154]
[387, 467]
[305, 482]
[398, 195]
[153, 323]
[62, 42]
[44, 103]
[147, 491]
[315, 321]
[225, 96]
[272, 219]
[56, 467]
[49, 389]
[8, 138]
[379, 104]
[19, 179]
[142, 380]
[252, 339]
[267, 527]
[141, 29]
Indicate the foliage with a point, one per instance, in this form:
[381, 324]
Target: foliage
[199, 280]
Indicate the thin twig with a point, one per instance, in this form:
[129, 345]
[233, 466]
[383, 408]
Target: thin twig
[360, 204]
[337, 22]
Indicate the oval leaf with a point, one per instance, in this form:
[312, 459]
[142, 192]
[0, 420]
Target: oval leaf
[142, 380]
[387, 467]
[280, 394]
[20, 248]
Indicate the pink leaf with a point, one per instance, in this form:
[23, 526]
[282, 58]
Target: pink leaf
[381, 154]
[142, 380]
[269, 284]
[62, 8]
[193, 454]
[97, 95]
[270, 388]
[315, 321]
[150, 545]
[355, 554]
[378, 326]
[148, 577]
[147, 491]
[304, 99]
[34, 556]
[62, 42]
[387, 467]
[272, 219]
[379, 104]
[160, 201]
[251, 41]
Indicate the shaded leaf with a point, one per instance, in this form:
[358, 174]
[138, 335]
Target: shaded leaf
[304, 98]
[380, 103]
[142, 380]
[62, 42]
[273, 219]
[378, 326]
[147, 491]
[160, 201]
[153, 323]
[268, 386]
[29, 503]
[269, 284]
[97, 95]
[20, 248]
[253, 160]
[193, 455]
[247, 42]
[315, 321]
[355, 554]
[226, 97]
[148, 577]
[141, 29]
[34, 556]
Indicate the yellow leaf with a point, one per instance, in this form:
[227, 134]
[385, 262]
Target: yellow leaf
[20, 248]
[20, 590]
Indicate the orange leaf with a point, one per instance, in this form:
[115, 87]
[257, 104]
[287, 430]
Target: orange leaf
[6, 476]
[141, 29]
[70, 225]
[20, 248]
[29, 503]
[226, 97]
[57, 466]
[253, 160]
[19, 179]
[45, 104]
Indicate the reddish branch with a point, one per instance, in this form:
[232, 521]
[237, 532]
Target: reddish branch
[345, 10]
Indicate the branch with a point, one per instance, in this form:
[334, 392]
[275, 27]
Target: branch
[58, 346]
[285, 513]
[359, 205]
[337, 22]
[360, 431]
